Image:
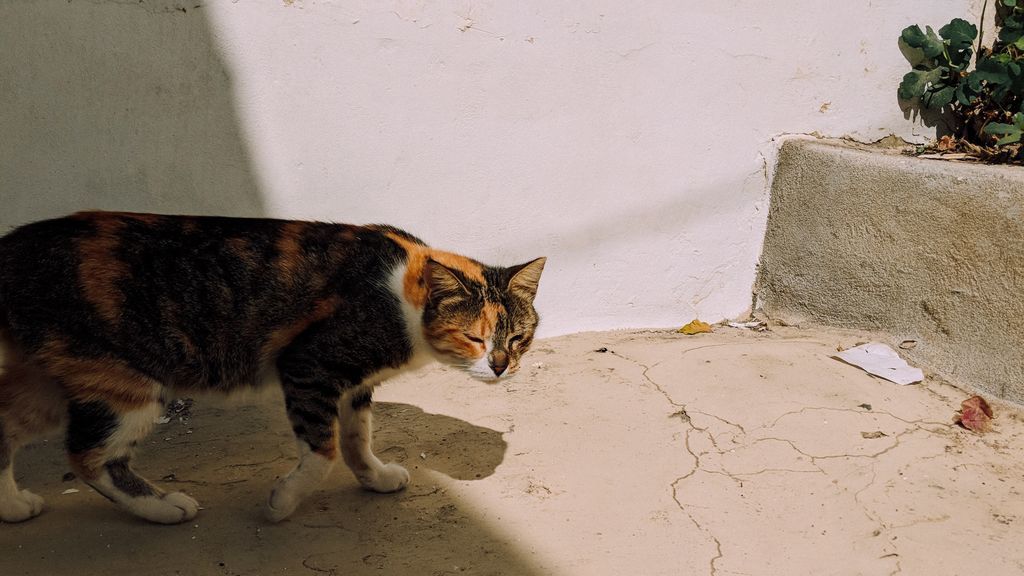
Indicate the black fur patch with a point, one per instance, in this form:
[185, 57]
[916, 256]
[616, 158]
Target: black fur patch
[89, 426]
[362, 399]
[122, 477]
[5, 449]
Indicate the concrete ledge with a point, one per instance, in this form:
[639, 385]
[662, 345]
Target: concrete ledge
[923, 250]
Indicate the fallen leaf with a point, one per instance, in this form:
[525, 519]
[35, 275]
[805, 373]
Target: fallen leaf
[695, 327]
[975, 414]
[873, 435]
[945, 144]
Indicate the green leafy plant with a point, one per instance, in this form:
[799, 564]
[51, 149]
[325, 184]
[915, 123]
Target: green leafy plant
[940, 75]
[982, 100]
[1011, 133]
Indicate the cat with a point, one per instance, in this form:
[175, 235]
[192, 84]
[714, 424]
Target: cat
[104, 316]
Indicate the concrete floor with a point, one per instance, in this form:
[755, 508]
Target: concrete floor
[727, 453]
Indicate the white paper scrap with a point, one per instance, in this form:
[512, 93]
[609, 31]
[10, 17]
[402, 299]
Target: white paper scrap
[878, 359]
[744, 324]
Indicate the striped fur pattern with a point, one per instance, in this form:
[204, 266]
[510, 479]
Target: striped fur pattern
[103, 316]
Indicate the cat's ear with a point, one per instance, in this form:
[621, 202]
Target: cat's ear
[526, 277]
[442, 280]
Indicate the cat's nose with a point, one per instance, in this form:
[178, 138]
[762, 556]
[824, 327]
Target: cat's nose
[499, 362]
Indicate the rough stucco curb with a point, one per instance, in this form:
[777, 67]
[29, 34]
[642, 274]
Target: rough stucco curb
[923, 250]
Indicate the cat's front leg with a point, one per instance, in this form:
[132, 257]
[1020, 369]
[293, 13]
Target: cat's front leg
[313, 415]
[356, 416]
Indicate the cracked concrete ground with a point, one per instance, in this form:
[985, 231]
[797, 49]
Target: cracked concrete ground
[727, 453]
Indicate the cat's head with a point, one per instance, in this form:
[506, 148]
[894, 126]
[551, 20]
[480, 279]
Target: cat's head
[483, 327]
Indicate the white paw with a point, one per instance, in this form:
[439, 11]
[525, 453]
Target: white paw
[20, 506]
[390, 478]
[173, 508]
[282, 502]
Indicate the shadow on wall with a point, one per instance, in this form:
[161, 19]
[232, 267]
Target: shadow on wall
[118, 106]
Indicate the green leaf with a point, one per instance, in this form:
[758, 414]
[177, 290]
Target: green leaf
[959, 35]
[937, 99]
[1010, 133]
[1009, 3]
[965, 95]
[1010, 36]
[1012, 29]
[993, 71]
[974, 82]
[916, 82]
[928, 42]
[999, 129]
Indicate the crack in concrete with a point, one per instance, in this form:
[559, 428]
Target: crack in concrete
[917, 423]
[684, 417]
[686, 414]
[305, 564]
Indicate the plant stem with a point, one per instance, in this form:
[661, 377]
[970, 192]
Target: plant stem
[981, 33]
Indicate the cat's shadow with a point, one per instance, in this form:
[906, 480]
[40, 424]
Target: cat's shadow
[453, 447]
[229, 458]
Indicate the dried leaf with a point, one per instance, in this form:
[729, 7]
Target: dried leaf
[975, 414]
[695, 327]
[945, 143]
[873, 435]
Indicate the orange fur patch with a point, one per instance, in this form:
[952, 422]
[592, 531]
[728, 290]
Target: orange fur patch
[100, 270]
[331, 449]
[242, 248]
[30, 402]
[488, 320]
[289, 248]
[89, 464]
[97, 379]
[281, 337]
[414, 285]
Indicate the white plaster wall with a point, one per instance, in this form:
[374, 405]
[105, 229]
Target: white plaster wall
[626, 141]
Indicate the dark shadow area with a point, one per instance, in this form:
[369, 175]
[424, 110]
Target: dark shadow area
[127, 105]
[228, 458]
[913, 110]
[117, 105]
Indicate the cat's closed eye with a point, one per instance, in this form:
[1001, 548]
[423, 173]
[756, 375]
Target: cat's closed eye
[473, 338]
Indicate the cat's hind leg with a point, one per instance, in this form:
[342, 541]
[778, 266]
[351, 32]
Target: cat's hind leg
[356, 417]
[16, 505]
[110, 408]
[31, 404]
[100, 441]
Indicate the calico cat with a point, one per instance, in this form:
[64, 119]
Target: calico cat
[103, 316]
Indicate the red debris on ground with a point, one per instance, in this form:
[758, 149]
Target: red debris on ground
[975, 414]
